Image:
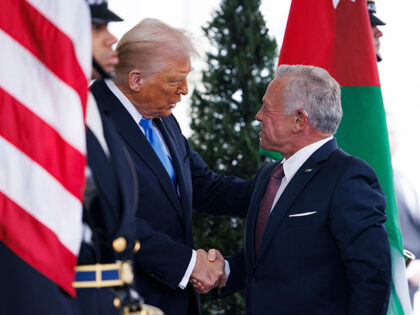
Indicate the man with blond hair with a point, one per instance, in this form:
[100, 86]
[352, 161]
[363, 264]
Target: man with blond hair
[150, 79]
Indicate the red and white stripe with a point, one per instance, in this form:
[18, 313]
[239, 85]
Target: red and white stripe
[45, 66]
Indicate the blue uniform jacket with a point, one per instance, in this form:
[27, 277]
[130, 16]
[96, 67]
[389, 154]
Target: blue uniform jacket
[110, 212]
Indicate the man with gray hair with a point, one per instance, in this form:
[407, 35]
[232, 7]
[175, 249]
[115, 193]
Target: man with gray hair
[315, 240]
[150, 78]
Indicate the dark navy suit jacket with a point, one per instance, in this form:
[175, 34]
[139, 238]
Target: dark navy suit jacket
[334, 261]
[163, 216]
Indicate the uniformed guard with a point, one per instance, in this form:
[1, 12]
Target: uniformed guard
[376, 32]
[104, 275]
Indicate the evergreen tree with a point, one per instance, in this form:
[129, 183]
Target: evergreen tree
[225, 132]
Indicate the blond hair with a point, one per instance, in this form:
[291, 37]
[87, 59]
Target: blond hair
[148, 46]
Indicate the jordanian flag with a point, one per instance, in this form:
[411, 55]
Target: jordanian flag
[336, 35]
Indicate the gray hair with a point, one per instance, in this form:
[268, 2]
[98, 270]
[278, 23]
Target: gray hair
[315, 91]
[147, 47]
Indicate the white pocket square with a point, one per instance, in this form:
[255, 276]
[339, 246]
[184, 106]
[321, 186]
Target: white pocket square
[301, 214]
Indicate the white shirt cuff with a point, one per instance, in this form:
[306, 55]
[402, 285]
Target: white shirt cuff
[227, 270]
[184, 282]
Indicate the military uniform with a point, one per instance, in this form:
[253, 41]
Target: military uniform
[110, 200]
[104, 274]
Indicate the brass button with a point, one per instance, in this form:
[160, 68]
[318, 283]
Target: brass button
[117, 302]
[136, 247]
[119, 244]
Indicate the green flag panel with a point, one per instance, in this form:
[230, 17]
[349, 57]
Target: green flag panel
[363, 133]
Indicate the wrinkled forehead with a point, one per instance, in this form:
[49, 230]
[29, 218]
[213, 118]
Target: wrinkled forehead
[277, 86]
[180, 66]
[273, 96]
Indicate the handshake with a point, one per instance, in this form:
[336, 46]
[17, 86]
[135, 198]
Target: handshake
[209, 271]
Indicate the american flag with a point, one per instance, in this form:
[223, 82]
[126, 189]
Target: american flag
[45, 65]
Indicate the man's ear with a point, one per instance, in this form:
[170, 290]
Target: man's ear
[135, 80]
[301, 118]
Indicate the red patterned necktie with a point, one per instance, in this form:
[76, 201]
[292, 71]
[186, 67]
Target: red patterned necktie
[266, 204]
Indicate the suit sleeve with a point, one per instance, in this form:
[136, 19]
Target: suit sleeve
[357, 223]
[165, 259]
[217, 194]
[237, 276]
[160, 257]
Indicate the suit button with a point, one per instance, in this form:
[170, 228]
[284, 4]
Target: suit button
[136, 247]
[119, 244]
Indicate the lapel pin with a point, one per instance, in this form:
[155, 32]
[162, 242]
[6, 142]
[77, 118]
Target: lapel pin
[308, 170]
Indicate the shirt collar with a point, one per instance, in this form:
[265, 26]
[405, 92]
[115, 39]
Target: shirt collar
[292, 164]
[124, 100]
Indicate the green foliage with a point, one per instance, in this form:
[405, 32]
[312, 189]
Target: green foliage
[225, 132]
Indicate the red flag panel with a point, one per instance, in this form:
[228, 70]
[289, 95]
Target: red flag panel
[332, 38]
[36, 244]
[45, 41]
[42, 143]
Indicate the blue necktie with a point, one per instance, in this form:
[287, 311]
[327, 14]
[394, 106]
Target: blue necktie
[157, 145]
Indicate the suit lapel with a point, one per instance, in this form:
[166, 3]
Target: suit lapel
[126, 176]
[176, 158]
[293, 190]
[131, 133]
[100, 164]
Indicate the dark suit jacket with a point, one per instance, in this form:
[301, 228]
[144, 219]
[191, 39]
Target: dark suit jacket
[109, 209]
[335, 261]
[164, 217]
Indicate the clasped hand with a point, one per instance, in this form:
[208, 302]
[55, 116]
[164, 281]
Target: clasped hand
[209, 271]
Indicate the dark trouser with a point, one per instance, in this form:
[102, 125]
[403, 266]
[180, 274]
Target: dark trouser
[96, 301]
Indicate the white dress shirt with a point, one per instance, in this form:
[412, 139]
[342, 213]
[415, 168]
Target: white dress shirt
[137, 117]
[292, 164]
[134, 113]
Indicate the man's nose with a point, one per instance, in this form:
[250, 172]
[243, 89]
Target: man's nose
[259, 115]
[377, 32]
[110, 39]
[183, 89]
